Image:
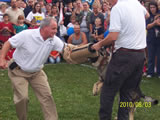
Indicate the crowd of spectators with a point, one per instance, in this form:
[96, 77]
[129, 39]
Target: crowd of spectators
[89, 18]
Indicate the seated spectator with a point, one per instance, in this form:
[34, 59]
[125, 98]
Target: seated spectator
[79, 7]
[3, 7]
[55, 12]
[36, 13]
[106, 12]
[72, 21]
[29, 8]
[96, 13]
[54, 57]
[33, 24]
[48, 9]
[68, 13]
[20, 25]
[14, 12]
[6, 29]
[78, 37]
[83, 19]
[21, 4]
[70, 25]
[97, 32]
[42, 4]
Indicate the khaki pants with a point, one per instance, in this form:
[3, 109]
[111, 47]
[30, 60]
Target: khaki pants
[38, 81]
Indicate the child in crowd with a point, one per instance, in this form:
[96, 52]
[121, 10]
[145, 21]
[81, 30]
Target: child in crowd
[97, 35]
[98, 31]
[6, 29]
[72, 21]
[20, 25]
[33, 24]
[70, 25]
[54, 57]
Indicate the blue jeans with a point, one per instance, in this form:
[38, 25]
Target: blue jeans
[53, 61]
[153, 51]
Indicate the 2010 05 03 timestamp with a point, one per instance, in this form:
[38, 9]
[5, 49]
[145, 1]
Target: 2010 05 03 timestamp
[135, 104]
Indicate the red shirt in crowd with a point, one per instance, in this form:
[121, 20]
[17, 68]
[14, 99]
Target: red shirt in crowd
[54, 54]
[4, 33]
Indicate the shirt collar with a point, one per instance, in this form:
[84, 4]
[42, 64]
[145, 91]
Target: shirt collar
[37, 34]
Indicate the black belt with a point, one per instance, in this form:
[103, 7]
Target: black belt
[14, 65]
[131, 50]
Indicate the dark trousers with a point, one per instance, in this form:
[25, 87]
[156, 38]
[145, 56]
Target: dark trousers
[123, 75]
[153, 51]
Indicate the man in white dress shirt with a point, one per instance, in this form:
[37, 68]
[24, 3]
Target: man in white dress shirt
[124, 72]
[32, 50]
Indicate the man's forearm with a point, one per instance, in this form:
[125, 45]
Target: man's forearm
[151, 25]
[107, 41]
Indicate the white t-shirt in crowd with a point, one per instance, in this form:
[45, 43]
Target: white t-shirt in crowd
[1, 16]
[128, 18]
[31, 50]
[38, 16]
[70, 25]
[83, 24]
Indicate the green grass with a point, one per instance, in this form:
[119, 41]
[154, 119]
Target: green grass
[72, 91]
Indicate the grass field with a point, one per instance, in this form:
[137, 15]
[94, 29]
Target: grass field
[72, 91]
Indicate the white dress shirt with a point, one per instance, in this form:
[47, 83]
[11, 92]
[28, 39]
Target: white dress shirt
[31, 50]
[128, 18]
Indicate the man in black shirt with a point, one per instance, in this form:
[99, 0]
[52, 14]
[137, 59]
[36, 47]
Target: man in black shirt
[29, 7]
